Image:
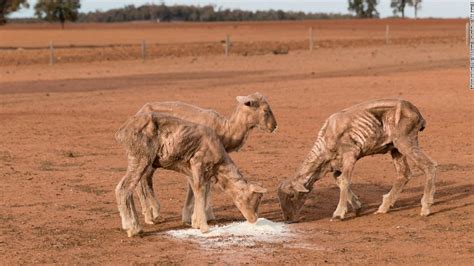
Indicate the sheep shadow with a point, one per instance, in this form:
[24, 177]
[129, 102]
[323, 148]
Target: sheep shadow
[321, 203]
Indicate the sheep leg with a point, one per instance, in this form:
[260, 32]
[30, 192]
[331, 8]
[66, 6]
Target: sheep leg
[354, 201]
[209, 211]
[352, 198]
[198, 219]
[146, 195]
[189, 205]
[403, 176]
[410, 149]
[343, 181]
[137, 167]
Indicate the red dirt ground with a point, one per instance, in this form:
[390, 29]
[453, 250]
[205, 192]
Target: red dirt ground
[59, 162]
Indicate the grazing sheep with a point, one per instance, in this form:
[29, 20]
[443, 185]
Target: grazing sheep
[374, 127]
[154, 141]
[251, 111]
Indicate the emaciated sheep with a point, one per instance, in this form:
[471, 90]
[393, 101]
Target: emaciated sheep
[251, 111]
[374, 127]
[154, 141]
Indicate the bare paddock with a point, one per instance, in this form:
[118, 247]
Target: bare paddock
[60, 163]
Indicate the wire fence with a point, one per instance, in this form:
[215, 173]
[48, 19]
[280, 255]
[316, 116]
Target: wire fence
[60, 53]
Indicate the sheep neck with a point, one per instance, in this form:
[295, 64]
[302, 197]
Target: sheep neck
[235, 130]
[229, 179]
[313, 168]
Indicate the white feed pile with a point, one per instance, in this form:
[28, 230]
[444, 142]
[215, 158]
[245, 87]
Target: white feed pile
[238, 233]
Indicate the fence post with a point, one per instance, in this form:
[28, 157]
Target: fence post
[143, 50]
[51, 53]
[311, 39]
[387, 33]
[227, 44]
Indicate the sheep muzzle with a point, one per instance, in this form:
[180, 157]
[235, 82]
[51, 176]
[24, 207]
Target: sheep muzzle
[291, 203]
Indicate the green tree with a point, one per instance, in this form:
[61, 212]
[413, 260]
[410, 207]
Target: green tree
[364, 8]
[58, 10]
[195, 13]
[399, 6]
[9, 6]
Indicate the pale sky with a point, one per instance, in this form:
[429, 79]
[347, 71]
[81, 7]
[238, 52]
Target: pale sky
[429, 8]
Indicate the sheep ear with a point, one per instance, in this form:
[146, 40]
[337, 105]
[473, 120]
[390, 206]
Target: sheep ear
[260, 96]
[283, 188]
[242, 99]
[248, 101]
[257, 188]
[299, 187]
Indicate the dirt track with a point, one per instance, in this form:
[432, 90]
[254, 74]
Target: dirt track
[59, 162]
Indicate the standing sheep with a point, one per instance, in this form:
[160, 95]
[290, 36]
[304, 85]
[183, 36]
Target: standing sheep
[154, 141]
[251, 111]
[374, 127]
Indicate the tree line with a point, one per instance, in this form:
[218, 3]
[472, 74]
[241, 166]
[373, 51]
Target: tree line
[368, 8]
[68, 10]
[166, 13]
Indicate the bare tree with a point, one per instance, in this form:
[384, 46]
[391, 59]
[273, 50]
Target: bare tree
[416, 5]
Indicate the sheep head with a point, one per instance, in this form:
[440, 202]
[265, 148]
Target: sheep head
[256, 109]
[292, 196]
[247, 199]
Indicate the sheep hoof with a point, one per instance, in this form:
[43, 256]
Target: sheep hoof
[340, 212]
[337, 218]
[186, 220]
[151, 216]
[194, 223]
[134, 232]
[155, 220]
[425, 212]
[357, 211]
[204, 229]
[381, 211]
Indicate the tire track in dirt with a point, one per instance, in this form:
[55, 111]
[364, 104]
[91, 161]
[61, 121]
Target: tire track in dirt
[115, 83]
[220, 77]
